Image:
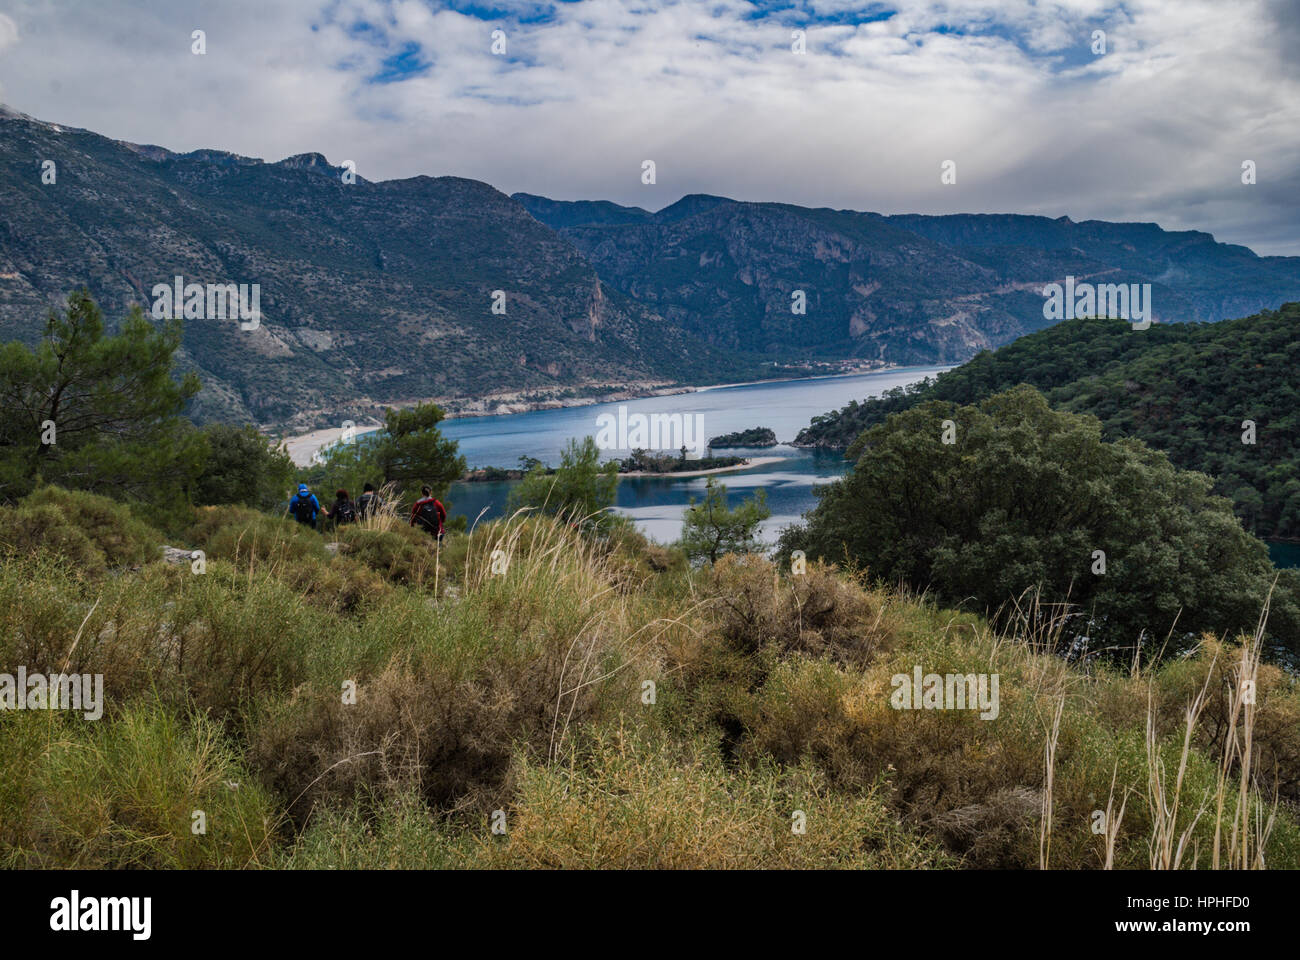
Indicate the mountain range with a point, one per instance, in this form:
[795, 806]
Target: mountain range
[377, 293]
[370, 292]
[905, 289]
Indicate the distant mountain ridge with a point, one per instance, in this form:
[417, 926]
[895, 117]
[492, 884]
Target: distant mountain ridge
[377, 293]
[370, 292]
[904, 288]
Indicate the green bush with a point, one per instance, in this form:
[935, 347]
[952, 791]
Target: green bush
[92, 533]
[1018, 505]
[628, 804]
[400, 834]
[241, 534]
[401, 555]
[94, 795]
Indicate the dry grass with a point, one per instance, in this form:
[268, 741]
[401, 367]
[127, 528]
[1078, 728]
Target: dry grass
[622, 803]
[523, 689]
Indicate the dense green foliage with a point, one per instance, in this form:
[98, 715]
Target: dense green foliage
[710, 528]
[580, 488]
[1020, 502]
[409, 451]
[88, 533]
[754, 437]
[243, 466]
[98, 412]
[1185, 389]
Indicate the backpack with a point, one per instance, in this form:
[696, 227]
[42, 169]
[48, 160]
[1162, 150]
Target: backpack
[344, 512]
[428, 515]
[368, 503]
[302, 509]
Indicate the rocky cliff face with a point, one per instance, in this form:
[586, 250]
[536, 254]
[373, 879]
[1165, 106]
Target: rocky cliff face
[906, 289]
[377, 293]
[369, 292]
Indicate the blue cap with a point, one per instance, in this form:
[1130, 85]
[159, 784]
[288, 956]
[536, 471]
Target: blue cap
[302, 488]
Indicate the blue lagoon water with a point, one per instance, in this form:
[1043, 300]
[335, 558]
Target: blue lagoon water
[657, 503]
[1284, 553]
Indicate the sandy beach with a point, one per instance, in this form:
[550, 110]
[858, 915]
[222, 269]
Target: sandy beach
[751, 462]
[302, 447]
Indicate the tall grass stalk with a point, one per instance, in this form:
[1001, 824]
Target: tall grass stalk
[1049, 782]
[1166, 846]
[1246, 841]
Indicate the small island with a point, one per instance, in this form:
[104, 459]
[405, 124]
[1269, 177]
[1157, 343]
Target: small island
[757, 437]
[644, 462]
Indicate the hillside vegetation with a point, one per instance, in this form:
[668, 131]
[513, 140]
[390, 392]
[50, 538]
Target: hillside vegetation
[1007, 502]
[601, 703]
[1184, 389]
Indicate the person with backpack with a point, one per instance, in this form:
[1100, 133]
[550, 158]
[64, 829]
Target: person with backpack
[429, 513]
[305, 506]
[344, 510]
[368, 503]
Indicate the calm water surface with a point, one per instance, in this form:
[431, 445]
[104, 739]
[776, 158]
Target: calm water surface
[657, 503]
[1284, 553]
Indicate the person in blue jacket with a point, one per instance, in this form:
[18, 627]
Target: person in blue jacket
[305, 506]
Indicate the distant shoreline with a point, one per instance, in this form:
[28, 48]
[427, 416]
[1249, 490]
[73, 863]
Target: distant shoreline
[820, 376]
[301, 447]
[634, 393]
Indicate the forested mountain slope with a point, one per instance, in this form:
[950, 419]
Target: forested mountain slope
[1187, 389]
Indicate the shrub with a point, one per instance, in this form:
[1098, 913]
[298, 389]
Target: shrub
[814, 614]
[45, 532]
[89, 795]
[447, 741]
[243, 535]
[444, 691]
[1021, 498]
[401, 834]
[401, 555]
[1276, 733]
[627, 804]
[243, 466]
[91, 532]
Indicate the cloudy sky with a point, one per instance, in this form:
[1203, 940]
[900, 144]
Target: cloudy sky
[1156, 128]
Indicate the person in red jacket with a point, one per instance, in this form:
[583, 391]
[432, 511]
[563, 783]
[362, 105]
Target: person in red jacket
[429, 513]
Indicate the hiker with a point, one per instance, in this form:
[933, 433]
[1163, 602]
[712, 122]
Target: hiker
[429, 513]
[368, 503]
[343, 510]
[305, 506]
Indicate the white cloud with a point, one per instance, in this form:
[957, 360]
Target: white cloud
[8, 32]
[1154, 130]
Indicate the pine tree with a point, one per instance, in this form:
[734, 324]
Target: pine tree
[98, 412]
